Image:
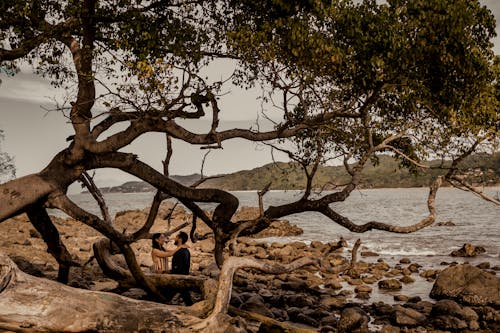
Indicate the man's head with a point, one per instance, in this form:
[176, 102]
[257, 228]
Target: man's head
[181, 238]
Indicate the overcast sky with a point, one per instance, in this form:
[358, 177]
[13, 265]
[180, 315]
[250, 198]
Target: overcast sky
[34, 135]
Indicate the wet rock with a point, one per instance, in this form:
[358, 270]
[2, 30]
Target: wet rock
[468, 250]
[298, 300]
[333, 303]
[256, 304]
[369, 279]
[407, 279]
[414, 299]
[353, 320]
[467, 284]
[363, 289]
[390, 329]
[446, 224]
[381, 265]
[429, 274]
[330, 320]
[355, 282]
[452, 308]
[484, 265]
[382, 309]
[405, 261]
[406, 316]
[414, 267]
[327, 329]
[369, 254]
[390, 284]
[401, 298]
[334, 283]
[449, 323]
[305, 319]
[280, 314]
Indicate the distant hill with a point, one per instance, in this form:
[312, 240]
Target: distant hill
[140, 186]
[485, 170]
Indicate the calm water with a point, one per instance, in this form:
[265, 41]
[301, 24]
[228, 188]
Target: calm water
[477, 221]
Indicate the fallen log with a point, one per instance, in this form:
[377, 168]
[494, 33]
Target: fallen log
[32, 304]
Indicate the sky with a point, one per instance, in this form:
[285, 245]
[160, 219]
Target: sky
[34, 133]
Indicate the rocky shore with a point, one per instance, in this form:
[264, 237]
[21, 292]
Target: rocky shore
[465, 298]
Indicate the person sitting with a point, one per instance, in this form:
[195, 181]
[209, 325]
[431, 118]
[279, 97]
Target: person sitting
[159, 254]
[181, 263]
[181, 260]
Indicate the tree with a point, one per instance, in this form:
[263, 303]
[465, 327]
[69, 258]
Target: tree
[351, 81]
[7, 168]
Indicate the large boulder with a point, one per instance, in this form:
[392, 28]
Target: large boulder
[353, 320]
[467, 284]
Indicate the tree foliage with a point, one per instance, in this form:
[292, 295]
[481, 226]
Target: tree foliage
[349, 80]
[7, 168]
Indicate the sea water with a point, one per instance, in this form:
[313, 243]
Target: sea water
[476, 221]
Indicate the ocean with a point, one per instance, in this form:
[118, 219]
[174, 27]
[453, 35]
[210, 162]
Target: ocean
[476, 221]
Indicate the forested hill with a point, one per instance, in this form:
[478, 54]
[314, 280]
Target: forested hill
[288, 176]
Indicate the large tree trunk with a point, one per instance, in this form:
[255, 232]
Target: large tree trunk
[31, 304]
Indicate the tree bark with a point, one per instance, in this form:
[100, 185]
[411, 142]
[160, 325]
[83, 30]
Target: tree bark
[43, 224]
[31, 304]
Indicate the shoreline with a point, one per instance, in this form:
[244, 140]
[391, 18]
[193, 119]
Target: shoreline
[311, 297]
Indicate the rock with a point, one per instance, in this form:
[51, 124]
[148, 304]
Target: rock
[448, 307]
[334, 283]
[390, 284]
[446, 224]
[135, 293]
[298, 300]
[352, 319]
[256, 304]
[327, 329]
[317, 245]
[382, 309]
[330, 320]
[468, 250]
[305, 319]
[207, 246]
[390, 329]
[429, 274]
[333, 302]
[405, 261]
[407, 279]
[355, 282]
[279, 228]
[401, 298]
[449, 323]
[414, 299]
[280, 314]
[363, 289]
[407, 317]
[369, 254]
[467, 284]
[34, 234]
[484, 265]
[414, 267]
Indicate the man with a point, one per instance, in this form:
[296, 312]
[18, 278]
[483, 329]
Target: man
[181, 262]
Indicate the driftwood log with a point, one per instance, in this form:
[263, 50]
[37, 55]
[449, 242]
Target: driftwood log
[32, 304]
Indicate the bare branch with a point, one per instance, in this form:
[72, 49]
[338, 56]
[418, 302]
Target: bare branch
[96, 193]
